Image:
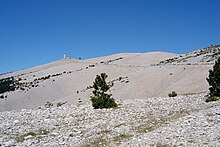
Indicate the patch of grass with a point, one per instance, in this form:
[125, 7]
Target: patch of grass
[21, 138]
[148, 127]
[122, 137]
[212, 98]
[105, 132]
[210, 114]
[153, 124]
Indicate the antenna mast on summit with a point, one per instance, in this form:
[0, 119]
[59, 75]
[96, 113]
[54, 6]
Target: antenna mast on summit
[64, 55]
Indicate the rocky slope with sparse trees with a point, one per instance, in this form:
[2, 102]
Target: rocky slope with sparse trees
[158, 99]
[181, 121]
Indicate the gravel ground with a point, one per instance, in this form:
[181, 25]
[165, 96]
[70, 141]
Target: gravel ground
[178, 121]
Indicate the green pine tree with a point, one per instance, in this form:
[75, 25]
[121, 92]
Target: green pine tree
[101, 99]
[214, 82]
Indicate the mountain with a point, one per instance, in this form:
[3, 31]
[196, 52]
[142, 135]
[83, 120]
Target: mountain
[135, 75]
[62, 114]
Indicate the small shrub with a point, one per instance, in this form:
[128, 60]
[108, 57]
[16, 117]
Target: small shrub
[21, 138]
[48, 105]
[92, 65]
[79, 100]
[7, 84]
[59, 104]
[172, 94]
[212, 98]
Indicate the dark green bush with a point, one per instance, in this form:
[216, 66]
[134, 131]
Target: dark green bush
[59, 104]
[7, 84]
[212, 98]
[172, 94]
[101, 99]
[48, 105]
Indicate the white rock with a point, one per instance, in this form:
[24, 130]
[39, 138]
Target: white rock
[16, 122]
[28, 137]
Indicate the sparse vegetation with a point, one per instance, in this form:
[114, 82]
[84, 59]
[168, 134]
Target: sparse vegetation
[172, 94]
[79, 100]
[109, 61]
[101, 99]
[122, 137]
[205, 56]
[48, 105]
[212, 98]
[126, 81]
[21, 138]
[59, 104]
[55, 75]
[7, 84]
[214, 79]
[92, 65]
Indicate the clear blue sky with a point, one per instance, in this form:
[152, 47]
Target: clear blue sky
[34, 32]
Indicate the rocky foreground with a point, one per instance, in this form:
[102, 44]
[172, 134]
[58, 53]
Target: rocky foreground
[179, 121]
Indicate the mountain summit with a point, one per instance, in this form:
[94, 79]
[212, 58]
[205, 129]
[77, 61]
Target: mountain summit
[135, 75]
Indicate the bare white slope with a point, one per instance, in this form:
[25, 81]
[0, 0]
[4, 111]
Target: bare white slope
[158, 81]
[134, 59]
[146, 59]
[139, 79]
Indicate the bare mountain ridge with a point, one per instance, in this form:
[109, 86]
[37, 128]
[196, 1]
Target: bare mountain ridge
[69, 80]
[203, 56]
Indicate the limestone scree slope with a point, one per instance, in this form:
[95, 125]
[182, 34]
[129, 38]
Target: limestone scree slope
[135, 75]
